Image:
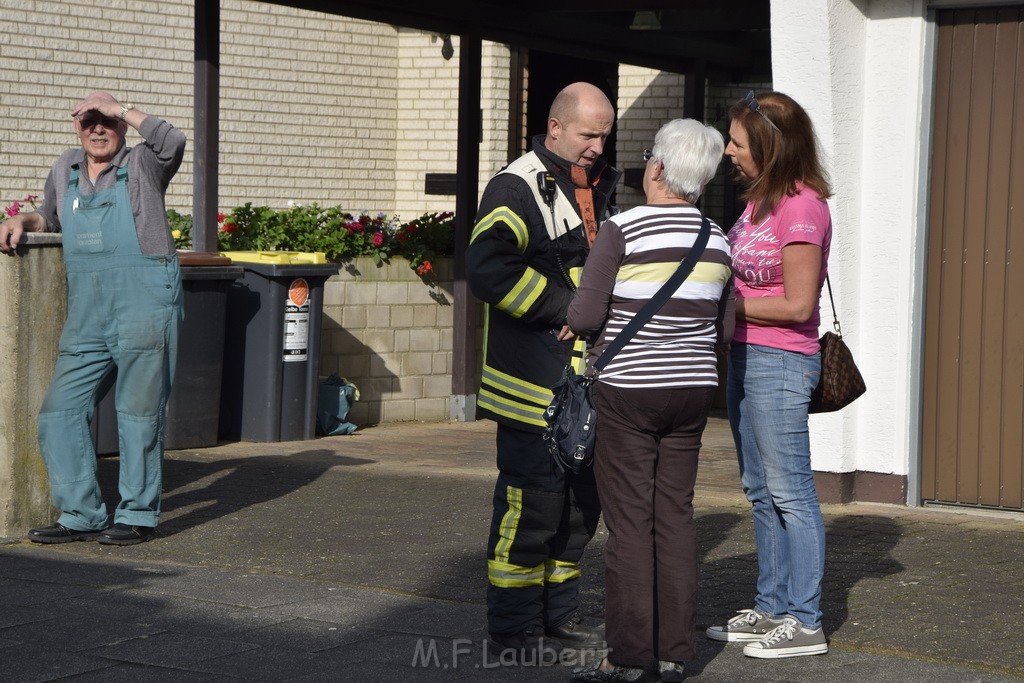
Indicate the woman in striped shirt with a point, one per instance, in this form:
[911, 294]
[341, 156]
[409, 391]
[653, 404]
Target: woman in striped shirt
[653, 400]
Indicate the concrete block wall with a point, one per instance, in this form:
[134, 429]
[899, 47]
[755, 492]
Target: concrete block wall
[389, 332]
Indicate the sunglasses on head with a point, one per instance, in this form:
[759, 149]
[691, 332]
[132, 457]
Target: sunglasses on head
[91, 120]
[755, 107]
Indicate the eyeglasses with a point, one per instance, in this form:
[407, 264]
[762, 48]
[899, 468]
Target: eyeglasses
[89, 121]
[755, 107]
[648, 154]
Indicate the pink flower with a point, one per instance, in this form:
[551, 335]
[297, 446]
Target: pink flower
[378, 239]
[13, 210]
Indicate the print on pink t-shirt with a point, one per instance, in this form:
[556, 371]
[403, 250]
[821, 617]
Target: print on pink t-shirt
[757, 264]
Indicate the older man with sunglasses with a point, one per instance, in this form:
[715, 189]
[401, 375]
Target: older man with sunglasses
[124, 316]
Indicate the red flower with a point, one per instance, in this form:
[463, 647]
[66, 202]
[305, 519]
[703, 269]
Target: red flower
[31, 198]
[378, 239]
[402, 237]
[425, 268]
[229, 227]
[221, 216]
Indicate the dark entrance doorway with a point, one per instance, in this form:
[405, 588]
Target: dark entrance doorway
[547, 73]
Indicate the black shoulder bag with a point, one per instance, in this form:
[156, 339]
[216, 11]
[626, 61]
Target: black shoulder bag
[571, 417]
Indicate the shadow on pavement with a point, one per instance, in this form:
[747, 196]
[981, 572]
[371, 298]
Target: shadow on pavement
[196, 492]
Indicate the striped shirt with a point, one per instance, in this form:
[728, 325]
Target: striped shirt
[635, 253]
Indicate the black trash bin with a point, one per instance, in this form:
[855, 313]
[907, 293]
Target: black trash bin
[272, 346]
[193, 407]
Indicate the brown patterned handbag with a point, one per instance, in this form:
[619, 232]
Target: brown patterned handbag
[840, 383]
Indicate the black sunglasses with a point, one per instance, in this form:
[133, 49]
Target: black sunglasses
[755, 107]
[647, 155]
[88, 121]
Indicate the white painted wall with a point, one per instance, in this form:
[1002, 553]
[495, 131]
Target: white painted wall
[857, 66]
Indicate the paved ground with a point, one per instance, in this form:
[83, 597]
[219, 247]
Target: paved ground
[361, 558]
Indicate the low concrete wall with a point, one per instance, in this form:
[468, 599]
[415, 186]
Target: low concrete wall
[32, 288]
[389, 332]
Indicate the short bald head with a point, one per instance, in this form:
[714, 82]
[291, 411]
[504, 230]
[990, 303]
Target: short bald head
[579, 122]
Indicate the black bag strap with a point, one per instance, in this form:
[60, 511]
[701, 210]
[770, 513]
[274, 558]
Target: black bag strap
[835, 316]
[686, 266]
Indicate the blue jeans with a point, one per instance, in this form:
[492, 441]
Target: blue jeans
[768, 394]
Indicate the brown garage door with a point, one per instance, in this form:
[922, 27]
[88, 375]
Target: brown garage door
[973, 421]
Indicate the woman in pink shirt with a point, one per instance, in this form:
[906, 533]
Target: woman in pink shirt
[780, 248]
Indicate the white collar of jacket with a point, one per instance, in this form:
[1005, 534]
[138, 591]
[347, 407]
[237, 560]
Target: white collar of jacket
[564, 217]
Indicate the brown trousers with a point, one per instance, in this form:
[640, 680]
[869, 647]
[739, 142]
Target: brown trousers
[645, 462]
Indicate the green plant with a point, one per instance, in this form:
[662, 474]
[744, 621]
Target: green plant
[181, 229]
[340, 235]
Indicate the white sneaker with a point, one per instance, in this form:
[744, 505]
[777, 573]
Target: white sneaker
[788, 640]
[747, 625]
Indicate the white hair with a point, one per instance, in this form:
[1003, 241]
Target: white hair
[690, 152]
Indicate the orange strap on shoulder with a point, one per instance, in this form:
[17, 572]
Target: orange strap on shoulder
[585, 200]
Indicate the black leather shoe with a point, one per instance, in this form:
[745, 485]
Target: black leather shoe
[527, 648]
[58, 533]
[671, 672]
[124, 534]
[573, 634]
[614, 674]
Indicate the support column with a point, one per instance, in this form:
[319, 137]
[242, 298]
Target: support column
[206, 115]
[465, 359]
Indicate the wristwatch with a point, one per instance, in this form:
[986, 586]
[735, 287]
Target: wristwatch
[125, 108]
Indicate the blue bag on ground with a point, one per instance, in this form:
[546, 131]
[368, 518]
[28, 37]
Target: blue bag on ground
[336, 396]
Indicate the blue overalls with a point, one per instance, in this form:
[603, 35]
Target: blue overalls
[124, 309]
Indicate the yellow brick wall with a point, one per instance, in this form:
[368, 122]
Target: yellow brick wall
[310, 107]
[647, 99]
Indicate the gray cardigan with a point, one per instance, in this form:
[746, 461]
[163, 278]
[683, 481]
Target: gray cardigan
[151, 166]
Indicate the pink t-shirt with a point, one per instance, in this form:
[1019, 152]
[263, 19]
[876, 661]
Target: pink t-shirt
[757, 264]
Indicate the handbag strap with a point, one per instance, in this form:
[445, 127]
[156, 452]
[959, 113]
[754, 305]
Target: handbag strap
[686, 266]
[835, 316]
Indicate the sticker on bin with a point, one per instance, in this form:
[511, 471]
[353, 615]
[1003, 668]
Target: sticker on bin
[296, 321]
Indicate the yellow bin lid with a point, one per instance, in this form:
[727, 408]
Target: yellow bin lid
[276, 257]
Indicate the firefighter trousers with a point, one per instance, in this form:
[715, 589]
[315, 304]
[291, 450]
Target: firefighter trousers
[543, 519]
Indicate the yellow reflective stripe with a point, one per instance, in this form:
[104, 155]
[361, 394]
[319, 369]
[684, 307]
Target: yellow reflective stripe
[579, 357]
[557, 571]
[516, 386]
[509, 522]
[518, 301]
[505, 575]
[503, 214]
[487, 327]
[510, 409]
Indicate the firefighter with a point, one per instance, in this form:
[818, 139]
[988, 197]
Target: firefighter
[537, 218]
